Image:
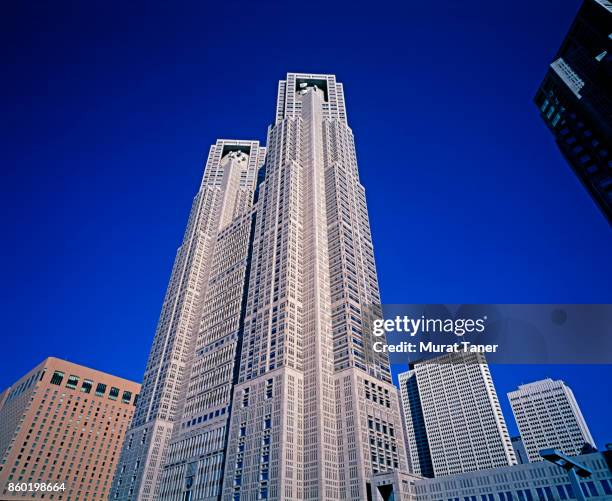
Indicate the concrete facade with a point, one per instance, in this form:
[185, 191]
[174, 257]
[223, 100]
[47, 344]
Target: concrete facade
[548, 416]
[454, 422]
[540, 481]
[315, 414]
[200, 309]
[63, 423]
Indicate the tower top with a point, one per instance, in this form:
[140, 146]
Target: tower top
[288, 103]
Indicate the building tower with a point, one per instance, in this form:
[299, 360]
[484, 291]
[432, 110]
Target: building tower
[63, 424]
[548, 416]
[454, 422]
[575, 100]
[196, 454]
[315, 414]
[184, 364]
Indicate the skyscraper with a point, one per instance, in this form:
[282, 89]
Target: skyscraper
[548, 416]
[454, 422]
[62, 425]
[188, 370]
[260, 382]
[315, 414]
[575, 100]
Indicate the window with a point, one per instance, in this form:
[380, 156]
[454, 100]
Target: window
[114, 393]
[72, 382]
[57, 377]
[100, 389]
[86, 386]
[589, 489]
[127, 396]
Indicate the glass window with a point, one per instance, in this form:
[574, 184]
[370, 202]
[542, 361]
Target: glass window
[561, 491]
[114, 393]
[592, 489]
[72, 382]
[549, 494]
[100, 389]
[57, 377]
[126, 397]
[86, 386]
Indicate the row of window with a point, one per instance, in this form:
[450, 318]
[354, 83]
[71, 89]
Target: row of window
[543, 493]
[87, 385]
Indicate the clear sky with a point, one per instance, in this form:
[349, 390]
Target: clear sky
[109, 110]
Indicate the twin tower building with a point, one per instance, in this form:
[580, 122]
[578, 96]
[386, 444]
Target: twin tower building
[259, 383]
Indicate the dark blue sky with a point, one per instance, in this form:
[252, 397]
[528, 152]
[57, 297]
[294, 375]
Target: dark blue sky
[109, 110]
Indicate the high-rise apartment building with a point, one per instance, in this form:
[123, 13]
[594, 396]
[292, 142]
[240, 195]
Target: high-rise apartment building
[186, 391]
[454, 422]
[62, 426]
[548, 416]
[575, 100]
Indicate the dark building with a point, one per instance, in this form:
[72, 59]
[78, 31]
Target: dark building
[575, 100]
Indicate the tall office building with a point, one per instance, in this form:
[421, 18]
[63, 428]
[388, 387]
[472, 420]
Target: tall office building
[548, 416]
[265, 327]
[454, 422]
[575, 100]
[62, 425]
[315, 414]
[191, 363]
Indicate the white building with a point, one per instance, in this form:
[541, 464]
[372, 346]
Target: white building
[315, 413]
[454, 422]
[548, 416]
[260, 382]
[542, 481]
[189, 372]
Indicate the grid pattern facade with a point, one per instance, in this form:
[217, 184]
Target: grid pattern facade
[548, 416]
[225, 193]
[64, 424]
[540, 481]
[315, 414]
[462, 418]
[196, 455]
